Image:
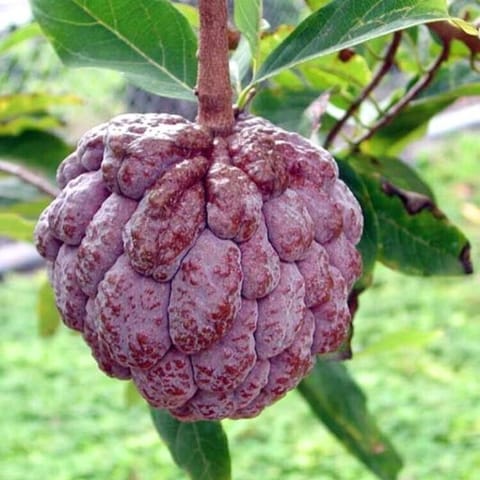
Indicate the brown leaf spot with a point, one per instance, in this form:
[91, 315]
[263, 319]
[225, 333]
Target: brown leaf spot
[413, 202]
[466, 260]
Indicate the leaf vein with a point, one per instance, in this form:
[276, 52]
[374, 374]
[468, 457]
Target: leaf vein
[141, 53]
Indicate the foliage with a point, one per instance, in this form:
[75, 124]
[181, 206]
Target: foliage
[343, 24]
[200, 448]
[332, 78]
[48, 317]
[341, 405]
[16, 227]
[155, 46]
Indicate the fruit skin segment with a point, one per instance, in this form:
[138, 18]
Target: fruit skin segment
[211, 271]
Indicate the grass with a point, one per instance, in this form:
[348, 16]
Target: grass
[417, 345]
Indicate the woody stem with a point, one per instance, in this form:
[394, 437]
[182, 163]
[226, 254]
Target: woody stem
[213, 84]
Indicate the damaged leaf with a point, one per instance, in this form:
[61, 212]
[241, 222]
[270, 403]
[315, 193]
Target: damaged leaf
[415, 236]
[413, 202]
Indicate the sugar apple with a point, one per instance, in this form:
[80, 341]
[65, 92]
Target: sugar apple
[210, 271]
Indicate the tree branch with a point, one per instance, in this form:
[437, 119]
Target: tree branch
[30, 177]
[422, 83]
[382, 71]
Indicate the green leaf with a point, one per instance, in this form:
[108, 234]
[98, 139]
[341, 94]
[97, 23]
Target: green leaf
[151, 42]
[47, 313]
[368, 245]
[269, 41]
[390, 168]
[316, 4]
[343, 79]
[190, 13]
[239, 64]
[28, 111]
[15, 227]
[345, 23]
[331, 72]
[200, 448]
[248, 17]
[131, 395]
[285, 107]
[28, 210]
[341, 405]
[415, 236]
[292, 91]
[26, 103]
[19, 35]
[42, 150]
[466, 27]
[18, 125]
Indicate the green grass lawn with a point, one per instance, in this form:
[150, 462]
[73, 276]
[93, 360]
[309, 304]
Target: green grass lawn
[417, 352]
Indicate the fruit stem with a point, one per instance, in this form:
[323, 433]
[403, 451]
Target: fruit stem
[214, 90]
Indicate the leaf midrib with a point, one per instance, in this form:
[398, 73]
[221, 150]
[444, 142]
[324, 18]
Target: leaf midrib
[98, 21]
[134, 48]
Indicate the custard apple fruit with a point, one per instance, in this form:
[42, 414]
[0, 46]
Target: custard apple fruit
[210, 271]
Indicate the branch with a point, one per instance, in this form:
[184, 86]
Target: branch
[213, 87]
[30, 177]
[383, 70]
[449, 32]
[422, 83]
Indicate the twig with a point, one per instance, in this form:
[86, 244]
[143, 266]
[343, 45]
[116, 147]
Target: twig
[383, 70]
[30, 177]
[422, 83]
[213, 86]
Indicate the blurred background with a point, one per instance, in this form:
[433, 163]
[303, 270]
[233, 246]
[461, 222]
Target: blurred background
[416, 344]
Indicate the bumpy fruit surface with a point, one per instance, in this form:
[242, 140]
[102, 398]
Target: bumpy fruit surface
[211, 271]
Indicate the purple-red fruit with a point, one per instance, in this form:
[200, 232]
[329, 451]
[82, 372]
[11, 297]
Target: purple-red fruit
[210, 271]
